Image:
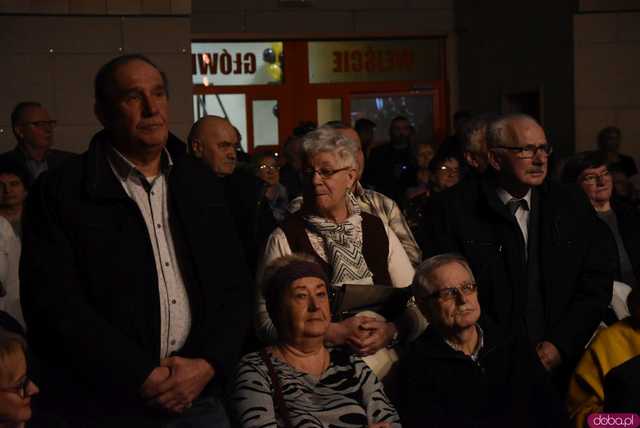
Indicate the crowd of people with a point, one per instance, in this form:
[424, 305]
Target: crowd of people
[481, 281]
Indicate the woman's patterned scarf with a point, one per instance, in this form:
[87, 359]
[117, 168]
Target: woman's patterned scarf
[343, 244]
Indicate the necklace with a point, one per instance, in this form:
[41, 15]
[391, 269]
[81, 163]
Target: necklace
[296, 363]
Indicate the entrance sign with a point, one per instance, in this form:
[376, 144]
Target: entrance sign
[375, 60]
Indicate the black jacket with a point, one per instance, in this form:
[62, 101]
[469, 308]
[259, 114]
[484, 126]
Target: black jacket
[89, 284]
[505, 387]
[577, 257]
[251, 213]
[16, 158]
[629, 227]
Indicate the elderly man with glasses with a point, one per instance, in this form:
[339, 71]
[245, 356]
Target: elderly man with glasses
[460, 372]
[546, 259]
[34, 131]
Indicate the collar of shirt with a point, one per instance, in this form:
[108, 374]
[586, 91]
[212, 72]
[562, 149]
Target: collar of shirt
[476, 353]
[124, 168]
[506, 196]
[358, 190]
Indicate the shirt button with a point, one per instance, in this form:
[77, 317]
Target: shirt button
[152, 192]
[159, 226]
[173, 342]
[166, 263]
[173, 301]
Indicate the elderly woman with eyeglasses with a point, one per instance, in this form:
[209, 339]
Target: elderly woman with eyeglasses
[298, 381]
[352, 246]
[589, 171]
[462, 372]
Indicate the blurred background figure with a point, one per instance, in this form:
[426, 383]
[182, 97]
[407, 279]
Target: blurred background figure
[624, 190]
[291, 167]
[445, 168]
[213, 139]
[388, 162]
[16, 389]
[267, 169]
[609, 141]
[12, 196]
[455, 142]
[589, 170]
[242, 158]
[366, 130]
[474, 143]
[417, 195]
[13, 193]
[444, 171]
[421, 175]
[34, 132]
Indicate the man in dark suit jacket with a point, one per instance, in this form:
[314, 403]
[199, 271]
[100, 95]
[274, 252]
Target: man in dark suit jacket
[543, 260]
[134, 287]
[34, 129]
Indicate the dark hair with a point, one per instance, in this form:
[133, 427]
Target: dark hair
[604, 131]
[579, 162]
[259, 157]
[335, 124]
[443, 154]
[278, 278]
[462, 115]
[104, 80]
[363, 125]
[18, 112]
[304, 128]
[618, 167]
[13, 168]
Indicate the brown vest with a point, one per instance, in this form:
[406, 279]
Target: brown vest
[375, 245]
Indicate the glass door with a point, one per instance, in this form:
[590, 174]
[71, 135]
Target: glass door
[419, 107]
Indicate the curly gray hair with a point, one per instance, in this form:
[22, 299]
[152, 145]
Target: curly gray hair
[328, 140]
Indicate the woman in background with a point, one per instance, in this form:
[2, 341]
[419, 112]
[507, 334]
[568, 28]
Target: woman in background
[267, 169]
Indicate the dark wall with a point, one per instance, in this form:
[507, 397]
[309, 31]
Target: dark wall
[507, 46]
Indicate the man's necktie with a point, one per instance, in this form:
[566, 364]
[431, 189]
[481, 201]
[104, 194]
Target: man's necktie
[516, 203]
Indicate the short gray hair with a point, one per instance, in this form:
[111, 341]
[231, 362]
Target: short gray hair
[329, 140]
[476, 124]
[501, 133]
[423, 281]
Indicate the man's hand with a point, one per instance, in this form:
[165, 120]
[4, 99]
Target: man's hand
[549, 355]
[381, 425]
[379, 334]
[157, 376]
[187, 380]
